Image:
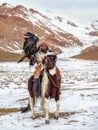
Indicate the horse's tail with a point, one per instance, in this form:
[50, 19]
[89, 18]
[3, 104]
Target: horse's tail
[27, 108]
[44, 84]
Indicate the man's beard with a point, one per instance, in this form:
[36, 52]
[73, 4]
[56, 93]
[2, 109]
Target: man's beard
[44, 51]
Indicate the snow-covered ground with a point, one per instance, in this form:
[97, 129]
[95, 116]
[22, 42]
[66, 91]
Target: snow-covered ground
[78, 100]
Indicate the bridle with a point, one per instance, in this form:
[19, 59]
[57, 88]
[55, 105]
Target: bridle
[49, 62]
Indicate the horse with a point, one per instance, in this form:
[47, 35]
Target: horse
[49, 88]
[48, 84]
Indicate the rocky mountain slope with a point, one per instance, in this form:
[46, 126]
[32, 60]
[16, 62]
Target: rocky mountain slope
[58, 32]
[15, 21]
[90, 53]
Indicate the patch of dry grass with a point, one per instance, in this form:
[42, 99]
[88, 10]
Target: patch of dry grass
[51, 115]
[10, 57]
[8, 110]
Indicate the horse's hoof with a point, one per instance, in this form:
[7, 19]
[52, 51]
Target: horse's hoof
[56, 117]
[47, 122]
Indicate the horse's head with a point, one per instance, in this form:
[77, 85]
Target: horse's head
[29, 45]
[50, 61]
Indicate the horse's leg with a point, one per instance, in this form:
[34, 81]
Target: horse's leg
[32, 107]
[57, 110]
[42, 105]
[46, 105]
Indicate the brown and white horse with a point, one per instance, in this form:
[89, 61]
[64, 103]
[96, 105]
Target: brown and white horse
[49, 88]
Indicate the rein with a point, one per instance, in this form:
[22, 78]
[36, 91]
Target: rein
[49, 66]
[52, 81]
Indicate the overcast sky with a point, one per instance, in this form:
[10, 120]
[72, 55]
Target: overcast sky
[83, 11]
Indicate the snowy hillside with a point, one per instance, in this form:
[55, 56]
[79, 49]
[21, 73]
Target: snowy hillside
[57, 31]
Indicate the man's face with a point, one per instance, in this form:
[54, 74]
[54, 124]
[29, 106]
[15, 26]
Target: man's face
[43, 47]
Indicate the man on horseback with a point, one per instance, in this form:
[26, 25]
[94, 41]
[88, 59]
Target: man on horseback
[30, 48]
[45, 82]
[46, 66]
[44, 51]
